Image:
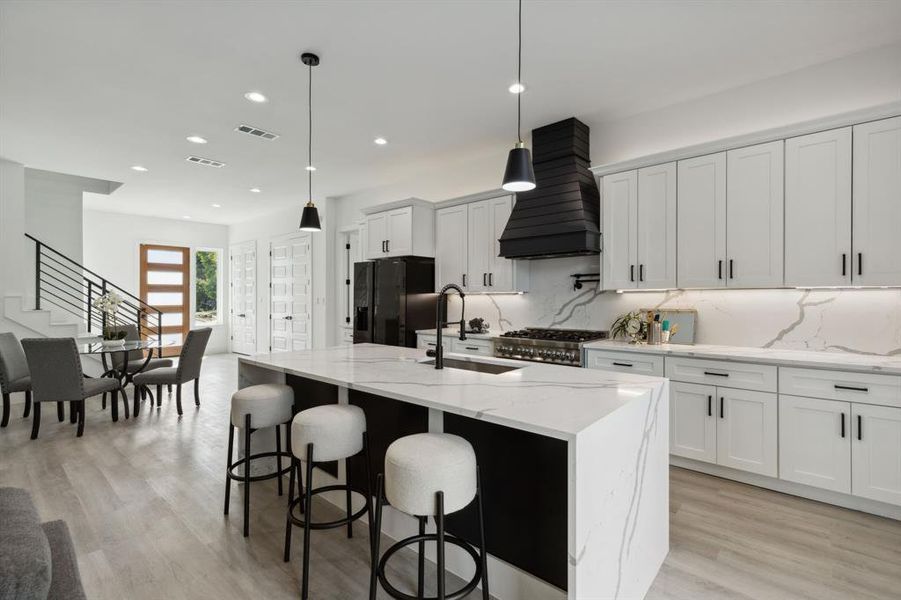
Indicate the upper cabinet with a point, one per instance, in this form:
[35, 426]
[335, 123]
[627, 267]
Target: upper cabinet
[754, 215]
[467, 247]
[702, 221]
[876, 241]
[640, 229]
[401, 229]
[818, 209]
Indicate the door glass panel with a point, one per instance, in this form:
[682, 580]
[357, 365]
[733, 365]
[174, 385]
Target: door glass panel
[168, 338]
[171, 319]
[168, 257]
[165, 298]
[164, 277]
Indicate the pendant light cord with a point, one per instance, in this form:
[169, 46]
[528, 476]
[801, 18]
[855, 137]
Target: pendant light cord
[310, 130]
[519, 78]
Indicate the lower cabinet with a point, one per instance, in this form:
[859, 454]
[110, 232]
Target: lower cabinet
[876, 453]
[452, 343]
[815, 442]
[728, 427]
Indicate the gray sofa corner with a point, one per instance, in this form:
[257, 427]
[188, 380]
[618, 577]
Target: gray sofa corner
[37, 560]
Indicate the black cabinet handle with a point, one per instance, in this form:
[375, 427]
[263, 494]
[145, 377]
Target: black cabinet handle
[731, 270]
[490, 279]
[843, 425]
[387, 245]
[844, 264]
[471, 347]
[716, 374]
[631, 272]
[709, 406]
[860, 263]
[619, 364]
[722, 410]
[464, 279]
[859, 428]
[851, 388]
[719, 269]
[640, 272]
[484, 279]
[431, 343]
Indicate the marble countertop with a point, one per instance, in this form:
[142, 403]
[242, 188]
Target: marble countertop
[551, 400]
[454, 332]
[844, 361]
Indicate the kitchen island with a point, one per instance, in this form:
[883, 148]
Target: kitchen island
[574, 462]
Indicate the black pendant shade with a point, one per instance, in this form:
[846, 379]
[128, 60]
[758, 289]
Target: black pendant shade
[309, 220]
[519, 175]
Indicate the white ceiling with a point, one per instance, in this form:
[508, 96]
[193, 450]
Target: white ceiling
[91, 88]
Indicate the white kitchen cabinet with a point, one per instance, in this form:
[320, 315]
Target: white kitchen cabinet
[747, 431]
[692, 421]
[876, 453]
[640, 229]
[504, 272]
[404, 228]
[877, 203]
[818, 209]
[451, 245]
[815, 442]
[754, 216]
[624, 362]
[476, 347]
[702, 221]
[620, 253]
[479, 247]
[656, 251]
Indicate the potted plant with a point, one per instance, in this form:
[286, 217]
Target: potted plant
[629, 325]
[108, 304]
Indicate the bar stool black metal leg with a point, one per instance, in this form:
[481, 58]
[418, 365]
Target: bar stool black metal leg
[305, 584]
[376, 538]
[246, 470]
[178, 398]
[61, 411]
[228, 465]
[369, 516]
[482, 550]
[420, 585]
[300, 492]
[350, 523]
[439, 521]
[288, 525]
[278, 457]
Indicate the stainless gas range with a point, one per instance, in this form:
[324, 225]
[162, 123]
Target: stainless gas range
[555, 346]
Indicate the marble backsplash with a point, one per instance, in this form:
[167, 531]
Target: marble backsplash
[866, 321]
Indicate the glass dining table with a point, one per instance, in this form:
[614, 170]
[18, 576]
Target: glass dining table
[115, 357]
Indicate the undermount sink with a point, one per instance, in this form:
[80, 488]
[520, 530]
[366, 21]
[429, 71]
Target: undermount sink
[472, 365]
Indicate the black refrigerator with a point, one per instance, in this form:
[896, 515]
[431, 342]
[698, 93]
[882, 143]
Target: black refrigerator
[393, 297]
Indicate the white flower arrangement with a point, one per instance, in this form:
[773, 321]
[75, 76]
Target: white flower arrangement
[109, 304]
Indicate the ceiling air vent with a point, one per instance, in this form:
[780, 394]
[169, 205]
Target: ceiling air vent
[256, 132]
[205, 161]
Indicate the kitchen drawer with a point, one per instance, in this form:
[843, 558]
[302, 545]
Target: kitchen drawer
[470, 346]
[427, 342]
[743, 376]
[866, 388]
[625, 362]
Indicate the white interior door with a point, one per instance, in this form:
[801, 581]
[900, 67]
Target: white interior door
[692, 421]
[656, 253]
[876, 453]
[243, 321]
[746, 431]
[290, 304]
[815, 442]
[702, 221]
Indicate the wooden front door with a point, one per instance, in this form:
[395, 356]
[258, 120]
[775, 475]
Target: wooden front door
[165, 285]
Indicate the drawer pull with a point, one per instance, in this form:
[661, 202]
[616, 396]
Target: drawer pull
[859, 428]
[843, 425]
[851, 388]
[722, 412]
[709, 406]
[619, 364]
[716, 374]
[472, 347]
[431, 343]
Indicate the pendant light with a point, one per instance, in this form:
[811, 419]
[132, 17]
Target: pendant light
[309, 220]
[519, 176]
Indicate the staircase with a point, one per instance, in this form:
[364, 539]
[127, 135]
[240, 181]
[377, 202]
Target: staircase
[64, 292]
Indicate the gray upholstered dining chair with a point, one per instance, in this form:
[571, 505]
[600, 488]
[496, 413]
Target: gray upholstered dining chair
[56, 376]
[14, 376]
[136, 358]
[188, 369]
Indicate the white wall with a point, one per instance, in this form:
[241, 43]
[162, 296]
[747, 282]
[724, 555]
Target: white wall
[12, 227]
[112, 250]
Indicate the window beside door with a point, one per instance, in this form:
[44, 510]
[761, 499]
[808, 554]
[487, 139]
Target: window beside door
[207, 289]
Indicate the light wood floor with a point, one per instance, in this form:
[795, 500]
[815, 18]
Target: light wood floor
[143, 499]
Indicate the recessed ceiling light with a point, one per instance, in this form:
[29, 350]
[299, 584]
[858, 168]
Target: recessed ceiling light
[311, 168]
[186, 217]
[255, 97]
[255, 190]
[139, 168]
[196, 139]
[216, 205]
[516, 88]
[380, 141]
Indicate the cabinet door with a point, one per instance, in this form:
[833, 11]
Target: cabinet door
[818, 209]
[400, 232]
[877, 203]
[376, 234]
[701, 252]
[746, 431]
[754, 215]
[693, 421]
[876, 453]
[451, 241]
[500, 276]
[815, 442]
[620, 253]
[480, 248]
[656, 252]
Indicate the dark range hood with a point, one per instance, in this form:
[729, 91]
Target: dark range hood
[561, 216]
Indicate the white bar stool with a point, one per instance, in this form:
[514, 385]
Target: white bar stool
[429, 474]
